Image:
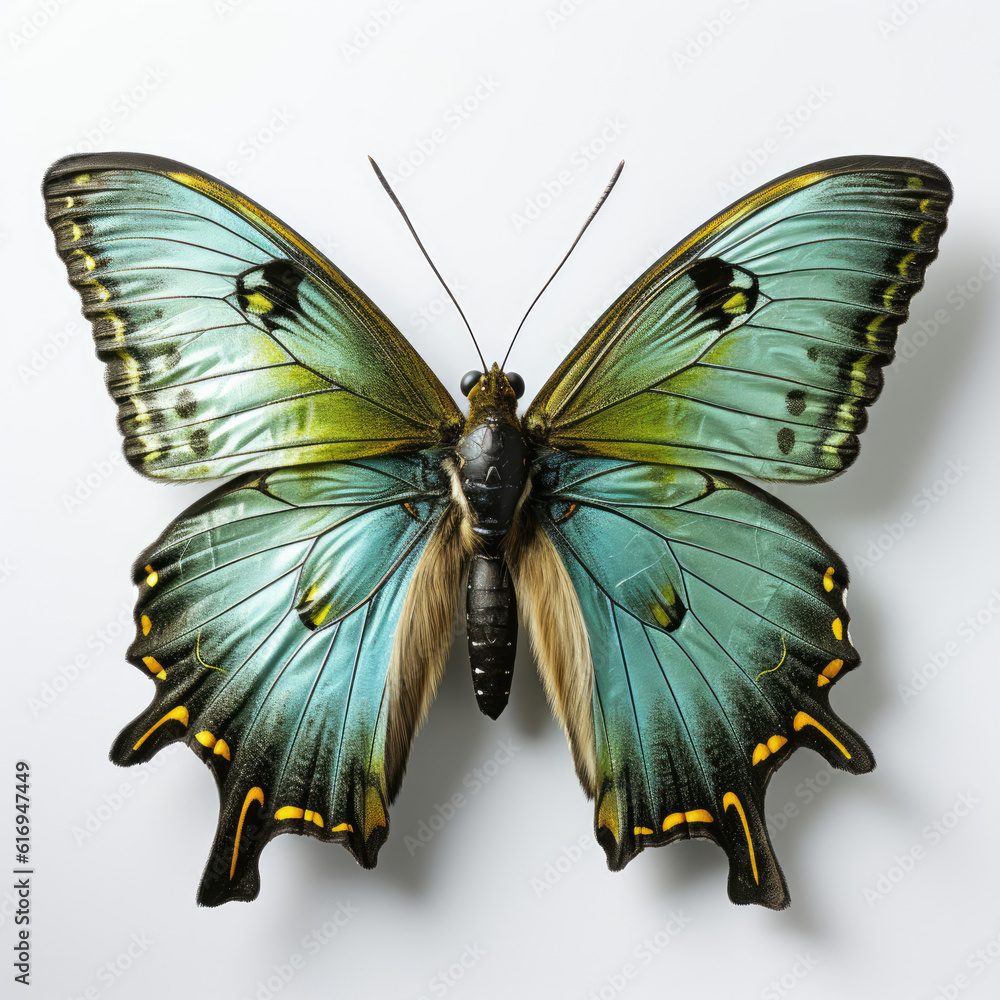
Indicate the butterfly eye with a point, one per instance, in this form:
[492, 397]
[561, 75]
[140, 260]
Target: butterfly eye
[469, 380]
[516, 383]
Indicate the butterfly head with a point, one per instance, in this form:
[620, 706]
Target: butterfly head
[494, 388]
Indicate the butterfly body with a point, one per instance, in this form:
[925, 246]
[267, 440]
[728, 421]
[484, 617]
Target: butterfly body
[492, 460]
[688, 627]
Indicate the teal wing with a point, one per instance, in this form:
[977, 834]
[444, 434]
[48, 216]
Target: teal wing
[716, 625]
[231, 344]
[268, 614]
[756, 345]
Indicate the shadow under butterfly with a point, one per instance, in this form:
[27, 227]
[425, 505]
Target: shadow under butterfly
[688, 627]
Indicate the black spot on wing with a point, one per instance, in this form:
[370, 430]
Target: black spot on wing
[725, 292]
[199, 442]
[795, 401]
[269, 293]
[186, 404]
[786, 440]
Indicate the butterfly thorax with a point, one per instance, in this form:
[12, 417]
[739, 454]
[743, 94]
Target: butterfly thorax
[492, 460]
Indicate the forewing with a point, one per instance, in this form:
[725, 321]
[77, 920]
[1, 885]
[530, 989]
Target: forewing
[756, 345]
[267, 614]
[716, 623]
[231, 343]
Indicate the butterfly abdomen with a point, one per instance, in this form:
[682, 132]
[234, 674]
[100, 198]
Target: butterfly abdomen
[491, 620]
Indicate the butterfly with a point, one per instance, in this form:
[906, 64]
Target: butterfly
[688, 626]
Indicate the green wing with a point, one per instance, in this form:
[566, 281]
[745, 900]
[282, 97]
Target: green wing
[756, 344]
[268, 615]
[716, 622]
[231, 343]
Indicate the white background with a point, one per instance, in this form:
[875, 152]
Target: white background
[118, 854]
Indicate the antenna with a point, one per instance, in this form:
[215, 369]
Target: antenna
[406, 219]
[590, 219]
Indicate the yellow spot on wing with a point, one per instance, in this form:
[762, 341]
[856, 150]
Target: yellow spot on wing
[180, 713]
[77, 232]
[118, 326]
[736, 305]
[698, 816]
[81, 179]
[763, 751]
[876, 323]
[822, 681]
[569, 513]
[642, 831]
[323, 612]
[342, 828]
[197, 653]
[905, 263]
[730, 799]
[784, 653]
[374, 813]
[832, 668]
[924, 204]
[151, 665]
[205, 738]
[254, 795]
[661, 616]
[838, 628]
[222, 749]
[914, 182]
[691, 816]
[152, 578]
[802, 720]
[828, 579]
[132, 377]
[258, 303]
[146, 624]
[607, 814]
[294, 812]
